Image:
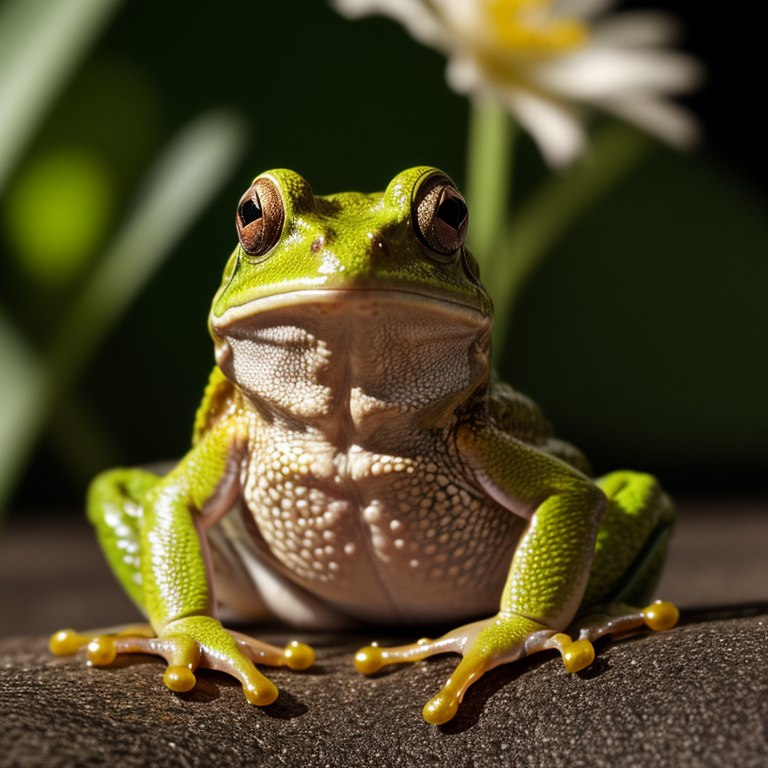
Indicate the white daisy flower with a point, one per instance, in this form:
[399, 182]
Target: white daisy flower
[546, 60]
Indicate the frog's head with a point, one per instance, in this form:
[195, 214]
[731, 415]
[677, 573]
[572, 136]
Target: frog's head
[363, 273]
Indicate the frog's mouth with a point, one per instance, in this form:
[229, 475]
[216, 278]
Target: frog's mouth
[356, 300]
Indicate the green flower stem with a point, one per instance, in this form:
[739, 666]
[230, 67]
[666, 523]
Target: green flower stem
[489, 168]
[553, 209]
[190, 172]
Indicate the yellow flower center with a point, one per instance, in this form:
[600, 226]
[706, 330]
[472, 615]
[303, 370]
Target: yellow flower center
[526, 26]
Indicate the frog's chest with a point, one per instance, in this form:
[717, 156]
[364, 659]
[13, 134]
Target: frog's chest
[381, 537]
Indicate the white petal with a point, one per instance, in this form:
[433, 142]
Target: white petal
[556, 128]
[398, 9]
[636, 28]
[414, 15]
[600, 73]
[584, 9]
[459, 15]
[664, 119]
[464, 76]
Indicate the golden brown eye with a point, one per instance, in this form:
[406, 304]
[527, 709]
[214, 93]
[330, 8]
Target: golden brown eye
[260, 216]
[440, 215]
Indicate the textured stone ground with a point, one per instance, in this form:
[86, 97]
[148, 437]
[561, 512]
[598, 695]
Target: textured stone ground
[695, 696]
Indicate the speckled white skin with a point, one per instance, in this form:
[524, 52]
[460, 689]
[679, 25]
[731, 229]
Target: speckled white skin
[353, 489]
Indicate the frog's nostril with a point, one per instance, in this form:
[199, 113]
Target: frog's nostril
[378, 242]
[317, 244]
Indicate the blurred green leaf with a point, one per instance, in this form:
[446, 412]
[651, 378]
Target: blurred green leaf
[184, 179]
[41, 43]
[57, 212]
[22, 388]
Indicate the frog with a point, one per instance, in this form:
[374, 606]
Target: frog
[356, 462]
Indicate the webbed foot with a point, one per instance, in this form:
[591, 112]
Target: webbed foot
[188, 644]
[505, 638]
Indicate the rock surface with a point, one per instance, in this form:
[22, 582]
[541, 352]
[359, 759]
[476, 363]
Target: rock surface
[694, 696]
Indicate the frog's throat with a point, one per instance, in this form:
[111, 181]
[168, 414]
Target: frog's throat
[365, 358]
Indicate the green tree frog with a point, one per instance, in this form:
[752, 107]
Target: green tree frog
[355, 461]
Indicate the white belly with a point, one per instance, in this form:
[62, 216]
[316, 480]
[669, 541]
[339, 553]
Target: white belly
[364, 537]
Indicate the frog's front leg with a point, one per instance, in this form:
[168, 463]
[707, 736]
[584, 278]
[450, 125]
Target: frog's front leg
[152, 530]
[548, 577]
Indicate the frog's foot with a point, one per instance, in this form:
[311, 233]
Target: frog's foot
[505, 638]
[188, 644]
[617, 618]
[483, 645]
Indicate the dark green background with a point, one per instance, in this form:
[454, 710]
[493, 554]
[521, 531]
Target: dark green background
[643, 336]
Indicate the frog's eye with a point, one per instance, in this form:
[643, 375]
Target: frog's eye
[260, 215]
[440, 215]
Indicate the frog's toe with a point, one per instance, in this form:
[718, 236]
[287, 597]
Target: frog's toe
[661, 615]
[297, 656]
[258, 689]
[617, 618]
[372, 658]
[369, 660]
[100, 644]
[576, 654]
[66, 642]
[101, 651]
[179, 679]
[441, 708]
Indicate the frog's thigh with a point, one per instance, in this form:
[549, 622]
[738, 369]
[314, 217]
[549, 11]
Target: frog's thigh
[114, 508]
[631, 540]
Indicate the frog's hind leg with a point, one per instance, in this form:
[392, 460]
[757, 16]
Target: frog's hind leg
[114, 509]
[629, 554]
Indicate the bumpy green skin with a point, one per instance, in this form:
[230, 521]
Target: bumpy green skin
[585, 542]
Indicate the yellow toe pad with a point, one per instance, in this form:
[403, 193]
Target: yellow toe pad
[369, 660]
[660, 616]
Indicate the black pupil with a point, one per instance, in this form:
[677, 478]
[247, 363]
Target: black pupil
[451, 211]
[250, 210]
